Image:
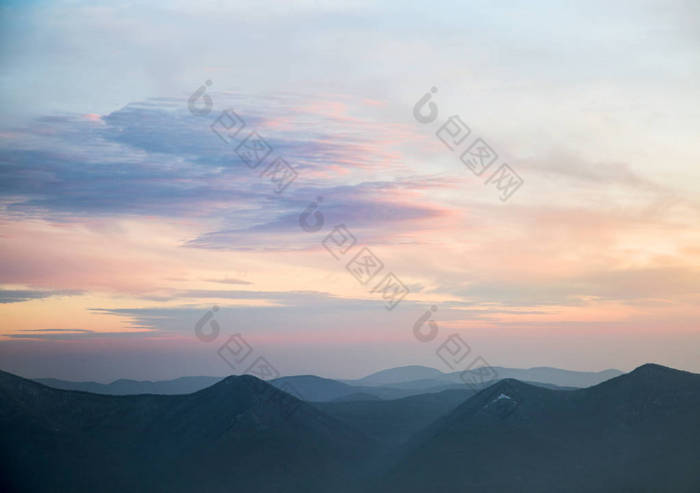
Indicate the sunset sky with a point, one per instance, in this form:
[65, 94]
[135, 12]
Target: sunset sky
[124, 218]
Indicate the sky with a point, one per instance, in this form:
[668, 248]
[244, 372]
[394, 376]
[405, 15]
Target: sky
[125, 217]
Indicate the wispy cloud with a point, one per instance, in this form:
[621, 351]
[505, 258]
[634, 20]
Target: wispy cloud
[20, 295]
[229, 281]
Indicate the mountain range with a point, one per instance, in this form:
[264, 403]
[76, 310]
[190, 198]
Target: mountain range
[183, 385]
[634, 432]
[393, 383]
[240, 434]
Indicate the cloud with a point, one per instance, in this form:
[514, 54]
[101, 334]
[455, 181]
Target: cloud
[573, 167]
[283, 297]
[285, 313]
[154, 158]
[20, 295]
[229, 281]
[50, 334]
[74, 334]
[375, 212]
[628, 286]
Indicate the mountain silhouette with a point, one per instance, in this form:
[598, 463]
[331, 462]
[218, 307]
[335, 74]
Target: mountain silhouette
[240, 434]
[393, 383]
[398, 375]
[123, 386]
[422, 377]
[392, 422]
[635, 432]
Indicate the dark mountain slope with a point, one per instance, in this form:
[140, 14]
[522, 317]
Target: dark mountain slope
[636, 432]
[317, 389]
[392, 422]
[313, 388]
[361, 396]
[238, 435]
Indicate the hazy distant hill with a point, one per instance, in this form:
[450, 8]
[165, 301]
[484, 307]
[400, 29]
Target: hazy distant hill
[239, 435]
[423, 377]
[183, 385]
[313, 388]
[309, 387]
[636, 432]
[398, 375]
[317, 389]
[306, 387]
[555, 376]
[393, 383]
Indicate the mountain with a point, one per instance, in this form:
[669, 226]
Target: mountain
[554, 376]
[398, 375]
[394, 383]
[240, 434]
[306, 387]
[636, 432]
[313, 388]
[392, 422]
[361, 396]
[317, 389]
[421, 378]
[183, 385]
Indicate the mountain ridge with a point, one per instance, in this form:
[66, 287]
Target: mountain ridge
[636, 432]
[639, 431]
[215, 439]
[312, 387]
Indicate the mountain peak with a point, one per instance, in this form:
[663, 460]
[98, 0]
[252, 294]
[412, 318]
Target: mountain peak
[400, 374]
[222, 438]
[240, 380]
[511, 384]
[654, 369]
[652, 377]
[237, 384]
